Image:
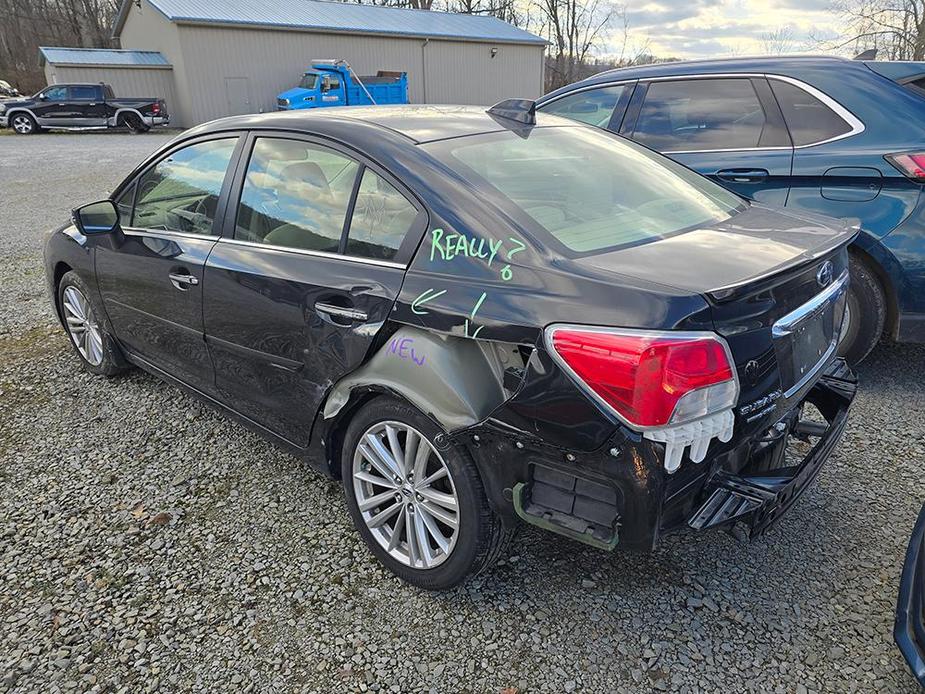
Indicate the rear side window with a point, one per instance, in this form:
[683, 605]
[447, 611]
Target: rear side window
[295, 195]
[180, 193]
[85, 93]
[589, 189]
[808, 119]
[593, 106]
[382, 217]
[690, 115]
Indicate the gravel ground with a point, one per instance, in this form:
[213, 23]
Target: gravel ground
[146, 543]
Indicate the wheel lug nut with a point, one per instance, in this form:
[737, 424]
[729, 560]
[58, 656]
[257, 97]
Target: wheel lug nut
[420, 498]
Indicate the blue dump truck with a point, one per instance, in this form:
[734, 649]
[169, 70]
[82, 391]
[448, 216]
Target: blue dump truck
[333, 83]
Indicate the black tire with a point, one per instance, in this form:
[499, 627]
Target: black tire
[23, 123]
[111, 361]
[134, 124]
[865, 315]
[481, 536]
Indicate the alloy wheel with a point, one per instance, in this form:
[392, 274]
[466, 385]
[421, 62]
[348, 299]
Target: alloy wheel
[406, 495]
[82, 326]
[22, 124]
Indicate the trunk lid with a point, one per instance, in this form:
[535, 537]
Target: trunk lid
[775, 281]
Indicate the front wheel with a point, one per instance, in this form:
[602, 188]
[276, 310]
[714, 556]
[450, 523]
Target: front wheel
[23, 124]
[865, 314]
[422, 510]
[81, 315]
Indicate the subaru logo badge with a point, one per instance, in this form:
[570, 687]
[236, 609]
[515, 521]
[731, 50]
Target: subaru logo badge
[825, 274]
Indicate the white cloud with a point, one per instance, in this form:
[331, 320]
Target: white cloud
[717, 28]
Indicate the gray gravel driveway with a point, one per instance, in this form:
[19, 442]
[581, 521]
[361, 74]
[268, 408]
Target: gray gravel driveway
[148, 544]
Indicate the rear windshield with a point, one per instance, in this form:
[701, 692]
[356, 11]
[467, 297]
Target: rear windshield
[590, 190]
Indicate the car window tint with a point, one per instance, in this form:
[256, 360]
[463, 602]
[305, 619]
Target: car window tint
[381, 219]
[692, 115]
[56, 94]
[808, 119]
[589, 189]
[594, 106]
[180, 193]
[296, 195]
[85, 93]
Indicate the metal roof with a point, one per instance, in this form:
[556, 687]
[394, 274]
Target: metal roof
[337, 16]
[101, 56]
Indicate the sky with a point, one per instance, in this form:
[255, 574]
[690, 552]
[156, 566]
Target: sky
[707, 28]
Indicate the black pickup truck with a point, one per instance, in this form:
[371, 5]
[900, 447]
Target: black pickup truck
[81, 107]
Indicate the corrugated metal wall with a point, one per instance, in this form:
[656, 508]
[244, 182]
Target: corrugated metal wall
[125, 81]
[272, 61]
[466, 73]
[147, 29]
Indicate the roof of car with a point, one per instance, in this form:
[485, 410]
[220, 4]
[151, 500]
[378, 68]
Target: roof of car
[417, 123]
[770, 64]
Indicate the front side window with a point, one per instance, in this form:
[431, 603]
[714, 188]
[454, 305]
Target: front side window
[382, 217]
[55, 94]
[702, 114]
[295, 195]
[85, 93]
[808, 119]
[594, 106]
[588, 189]
[181, 192]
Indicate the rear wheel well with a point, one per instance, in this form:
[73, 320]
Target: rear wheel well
[891, 326]
[336, 431]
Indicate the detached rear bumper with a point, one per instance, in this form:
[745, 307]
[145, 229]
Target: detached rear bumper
[759, 498]
[909, 630]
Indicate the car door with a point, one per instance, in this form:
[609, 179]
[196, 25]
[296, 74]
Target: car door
[151, 276]
[87, 105]
[52, 107]
[311, 260]
[727, 128]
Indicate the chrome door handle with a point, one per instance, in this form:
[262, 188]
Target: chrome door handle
[183, 281]
[340, 311]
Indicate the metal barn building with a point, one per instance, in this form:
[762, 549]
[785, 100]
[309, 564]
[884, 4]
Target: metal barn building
[228, 57]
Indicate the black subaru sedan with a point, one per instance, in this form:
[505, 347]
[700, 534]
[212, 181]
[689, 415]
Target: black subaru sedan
[475, 319]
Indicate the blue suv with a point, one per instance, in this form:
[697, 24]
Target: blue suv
[828, 135]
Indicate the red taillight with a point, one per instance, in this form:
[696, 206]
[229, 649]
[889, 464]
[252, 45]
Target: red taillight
[910, 164]
[156, 108]
[649, 378]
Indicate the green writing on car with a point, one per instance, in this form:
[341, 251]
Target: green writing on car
[448, 246]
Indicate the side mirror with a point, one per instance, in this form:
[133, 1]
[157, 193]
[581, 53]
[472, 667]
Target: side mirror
[96, 218]
[325, 83]
[43, 97]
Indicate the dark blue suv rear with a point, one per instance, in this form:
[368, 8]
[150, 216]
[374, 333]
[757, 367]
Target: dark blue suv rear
[839, 137]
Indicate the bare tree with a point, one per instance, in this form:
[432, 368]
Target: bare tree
[779, 41]
[573, 28]
[28, 24]
[896, 28]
